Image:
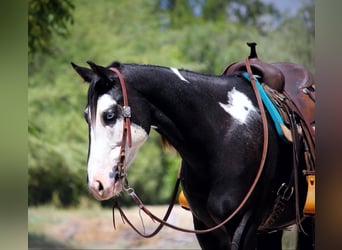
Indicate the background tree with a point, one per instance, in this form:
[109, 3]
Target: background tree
[248, 12]
[46, 17]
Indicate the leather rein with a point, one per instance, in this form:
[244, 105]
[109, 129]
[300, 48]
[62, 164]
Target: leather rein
[122, 175]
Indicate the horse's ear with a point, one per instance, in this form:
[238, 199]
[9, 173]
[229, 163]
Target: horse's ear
[85, 73]
[102, 71]
[115, 64]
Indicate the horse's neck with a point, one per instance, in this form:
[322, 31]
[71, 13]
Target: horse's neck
[176, 93]
[180, 101]
[172, 89]
[161, 85]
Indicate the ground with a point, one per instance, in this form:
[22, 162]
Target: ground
[92, 228]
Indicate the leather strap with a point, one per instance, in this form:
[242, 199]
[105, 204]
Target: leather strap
[141, 206]
[126, 127]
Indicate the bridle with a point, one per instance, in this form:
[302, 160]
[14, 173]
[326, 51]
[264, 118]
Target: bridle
[126, 135]
[130, 191]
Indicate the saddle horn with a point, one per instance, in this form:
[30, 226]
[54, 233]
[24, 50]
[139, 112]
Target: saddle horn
[252, 53]
[269, 74]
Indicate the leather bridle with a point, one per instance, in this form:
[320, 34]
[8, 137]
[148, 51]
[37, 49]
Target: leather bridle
[126, 134]
[130, 191]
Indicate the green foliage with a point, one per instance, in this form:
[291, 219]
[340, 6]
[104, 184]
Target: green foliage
[292, 41]
[160, 167]
[186, 12]
[46, 17]
[130, 31]
[50, 177]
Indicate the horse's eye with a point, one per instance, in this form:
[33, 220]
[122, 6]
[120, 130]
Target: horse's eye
[109, 116]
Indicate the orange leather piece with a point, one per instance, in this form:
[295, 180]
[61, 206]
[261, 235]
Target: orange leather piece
[309, 207]
[182, 201]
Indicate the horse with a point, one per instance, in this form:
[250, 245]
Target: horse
[215, 124]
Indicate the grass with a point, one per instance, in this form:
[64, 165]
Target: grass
[91, 228]
[52, 228]
[38, 241]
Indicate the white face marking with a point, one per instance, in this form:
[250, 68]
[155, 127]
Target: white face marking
[176, 71]
[105, 145]
[239, 106]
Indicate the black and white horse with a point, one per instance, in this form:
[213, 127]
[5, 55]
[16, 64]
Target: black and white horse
[215, 124]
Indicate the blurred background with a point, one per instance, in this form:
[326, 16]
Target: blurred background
[199, 35]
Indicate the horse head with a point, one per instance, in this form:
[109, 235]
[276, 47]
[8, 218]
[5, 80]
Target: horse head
[104, 114]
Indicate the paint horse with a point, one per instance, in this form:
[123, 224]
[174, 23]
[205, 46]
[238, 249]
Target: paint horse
[215, 124]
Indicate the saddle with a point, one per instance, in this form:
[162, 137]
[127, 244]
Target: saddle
[292, 79]
[291, 88]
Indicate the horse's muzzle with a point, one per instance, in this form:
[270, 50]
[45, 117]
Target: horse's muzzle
[104, 189]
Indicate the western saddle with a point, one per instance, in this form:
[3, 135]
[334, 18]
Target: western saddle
[296, 82]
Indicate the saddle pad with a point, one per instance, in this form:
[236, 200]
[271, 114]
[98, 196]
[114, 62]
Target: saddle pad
[273, 111]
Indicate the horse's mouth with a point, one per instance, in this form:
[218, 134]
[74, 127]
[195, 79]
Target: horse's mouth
[117, 185]
[107, 193]
[106, 187]
[115, 174]
[117, 188]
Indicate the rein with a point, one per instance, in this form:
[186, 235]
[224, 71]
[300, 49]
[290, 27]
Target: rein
[130, 191]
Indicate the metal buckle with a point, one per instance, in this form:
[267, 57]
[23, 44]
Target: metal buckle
[286, 195]
[126, 111]
[126, 187]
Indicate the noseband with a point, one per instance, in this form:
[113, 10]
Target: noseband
[130, 191]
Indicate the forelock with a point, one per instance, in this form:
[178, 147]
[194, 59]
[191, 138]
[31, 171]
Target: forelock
[96, 89]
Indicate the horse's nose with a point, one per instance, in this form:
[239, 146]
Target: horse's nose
[97, 189]
[103, 188]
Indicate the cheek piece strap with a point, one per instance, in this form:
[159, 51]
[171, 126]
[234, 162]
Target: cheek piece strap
[126, 135]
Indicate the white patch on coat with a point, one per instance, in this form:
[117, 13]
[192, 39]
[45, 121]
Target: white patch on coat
[176, 71]
[105, 146]
[239, 106]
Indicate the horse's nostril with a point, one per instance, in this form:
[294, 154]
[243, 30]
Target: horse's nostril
[100, 188]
